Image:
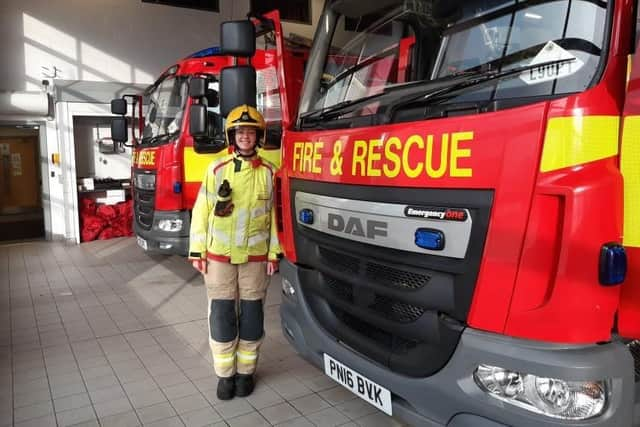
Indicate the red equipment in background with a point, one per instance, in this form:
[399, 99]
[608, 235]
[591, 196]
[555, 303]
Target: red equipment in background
[101, 222]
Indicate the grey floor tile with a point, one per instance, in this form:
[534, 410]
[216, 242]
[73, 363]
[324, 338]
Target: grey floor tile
[157, 412]
[200, 417]
[233, 408]
[127, 419]
[297, 422]
[329, 417]
[167, 422]
[27, 399]
[309, 404]
[113, 407]
[71, 402]
[75, 416]
[180, 390]
[248, 420]
[92, 423]
[139, 386]
[140, 399]
[98, 383]
[264, 397]
[189, 403]
[280, 413]
[356, 408]
[166, 380]
[337, 395]
[133, 376]
[290, 388]
[46, 421]
[378, 419]
[319, 383]
[107, 394]
[63, 390]
[33, 411]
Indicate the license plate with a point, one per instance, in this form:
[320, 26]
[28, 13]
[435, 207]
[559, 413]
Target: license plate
[359, 385]
[142, 243]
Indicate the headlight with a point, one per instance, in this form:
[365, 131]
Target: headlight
[567, 400]
[145, 181]
[170, 224]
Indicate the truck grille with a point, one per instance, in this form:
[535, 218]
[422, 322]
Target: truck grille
[387, 307]
[404, 310]
[143, 206]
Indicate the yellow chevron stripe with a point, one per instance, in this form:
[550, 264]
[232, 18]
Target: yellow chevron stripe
[630, 167]
[576, 140]
[196, 164]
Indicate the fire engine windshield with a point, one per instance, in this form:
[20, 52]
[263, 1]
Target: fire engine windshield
[167, 101]
[373, 59]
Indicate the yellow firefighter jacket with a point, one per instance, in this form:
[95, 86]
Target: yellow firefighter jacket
[249, 233]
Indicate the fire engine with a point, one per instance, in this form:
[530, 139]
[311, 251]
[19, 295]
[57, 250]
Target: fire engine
[459, 210]
[168, 161]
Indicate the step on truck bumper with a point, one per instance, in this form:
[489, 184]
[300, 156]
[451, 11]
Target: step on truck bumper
[451, 397]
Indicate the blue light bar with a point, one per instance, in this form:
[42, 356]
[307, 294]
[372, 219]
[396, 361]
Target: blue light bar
[177, 187]
[306, 216]
[613, 264]
[210, 51]
[428, 238]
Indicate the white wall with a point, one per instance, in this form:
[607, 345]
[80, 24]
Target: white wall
[101, 40]
[90, 162]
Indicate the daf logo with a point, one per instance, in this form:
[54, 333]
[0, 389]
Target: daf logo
[356, 226]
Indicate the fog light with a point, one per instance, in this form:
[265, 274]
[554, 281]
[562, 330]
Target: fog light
[567, 400]
[171, 225]
[306, 216]
[287, 288]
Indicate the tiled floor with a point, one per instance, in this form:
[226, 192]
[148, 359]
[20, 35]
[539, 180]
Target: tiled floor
[103, 334]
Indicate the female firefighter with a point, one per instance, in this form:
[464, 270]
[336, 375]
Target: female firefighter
[234, 244]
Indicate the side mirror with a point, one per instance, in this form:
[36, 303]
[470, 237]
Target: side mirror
[119, 129]
[198, 121]
[197, 87]
[237, 87]
[238, 38]
[119, 107]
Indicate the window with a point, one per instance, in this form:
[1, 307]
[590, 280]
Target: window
[209, 5]
[290, 10]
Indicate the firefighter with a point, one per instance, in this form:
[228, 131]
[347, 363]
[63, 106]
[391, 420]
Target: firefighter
[233, 243]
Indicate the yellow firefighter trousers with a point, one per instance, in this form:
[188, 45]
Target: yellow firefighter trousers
[236, 295]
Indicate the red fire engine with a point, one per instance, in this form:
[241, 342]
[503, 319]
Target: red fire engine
[459, 200]
[168, 161]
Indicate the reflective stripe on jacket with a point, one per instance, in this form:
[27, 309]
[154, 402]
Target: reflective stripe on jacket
[249, 233]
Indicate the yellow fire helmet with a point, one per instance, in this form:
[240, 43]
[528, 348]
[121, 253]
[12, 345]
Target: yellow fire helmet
[245, 115]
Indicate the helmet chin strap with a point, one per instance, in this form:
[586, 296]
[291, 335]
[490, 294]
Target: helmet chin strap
[253, 152]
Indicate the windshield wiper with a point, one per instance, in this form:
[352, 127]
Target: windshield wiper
[472, 80]
[154, 139]
[337, 109]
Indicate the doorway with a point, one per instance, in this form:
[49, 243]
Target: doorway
[21, 214]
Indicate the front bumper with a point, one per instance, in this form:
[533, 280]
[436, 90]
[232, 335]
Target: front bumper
[450, 397]
[163, 242]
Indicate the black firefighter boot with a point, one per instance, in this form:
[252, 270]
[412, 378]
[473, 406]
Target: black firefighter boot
[226, 388]
[244, 385]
